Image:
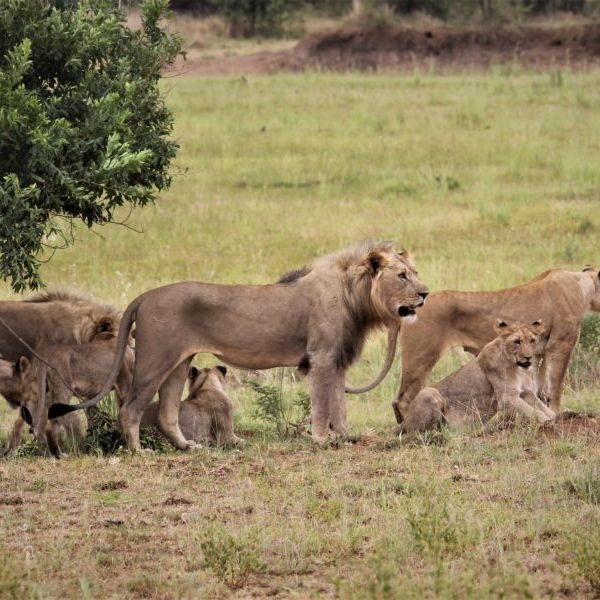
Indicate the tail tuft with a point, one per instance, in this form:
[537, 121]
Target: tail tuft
[58, 410]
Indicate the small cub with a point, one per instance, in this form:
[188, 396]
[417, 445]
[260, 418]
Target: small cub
[206, 415]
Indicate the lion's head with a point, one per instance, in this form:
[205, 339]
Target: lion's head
[397, 290]
[519, 341]
[595, 276]
[199, 379]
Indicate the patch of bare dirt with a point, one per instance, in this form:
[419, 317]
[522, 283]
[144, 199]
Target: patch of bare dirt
[570, 423]
[400, 48]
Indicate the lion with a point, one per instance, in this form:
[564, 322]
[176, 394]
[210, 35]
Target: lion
[83, 367]
[450, 318]
[500, 378]
[53, 317]
[10, 388]
[206, 415]
[317, 320]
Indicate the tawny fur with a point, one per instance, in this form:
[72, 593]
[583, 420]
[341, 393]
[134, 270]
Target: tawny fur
[206, 415]
[53, 317]
[83, 366]
[466, 319]
[73, 425]
[501, 377]
[319, 320]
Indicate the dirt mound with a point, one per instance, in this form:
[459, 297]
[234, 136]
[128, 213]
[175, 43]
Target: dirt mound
[398, 47]
[570, 423]
[401, 48]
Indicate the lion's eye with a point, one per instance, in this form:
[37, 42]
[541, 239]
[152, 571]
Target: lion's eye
[402, 276]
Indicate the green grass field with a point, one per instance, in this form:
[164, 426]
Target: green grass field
[487, 179]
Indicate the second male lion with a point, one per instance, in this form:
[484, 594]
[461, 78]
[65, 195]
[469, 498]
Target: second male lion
[500, 378]
[317, 321]
[450, 318]
[206, 415]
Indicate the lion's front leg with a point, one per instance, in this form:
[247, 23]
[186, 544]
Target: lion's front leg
[328, 405]
[14, 441]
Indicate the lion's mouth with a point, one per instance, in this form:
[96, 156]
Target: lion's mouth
[406, 311]
[524, 364]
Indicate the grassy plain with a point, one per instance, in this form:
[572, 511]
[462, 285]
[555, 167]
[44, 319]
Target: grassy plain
[487, 179]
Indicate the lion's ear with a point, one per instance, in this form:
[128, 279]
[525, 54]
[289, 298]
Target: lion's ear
[538, 327]
[374, 261]
[223, 369]
[587, 268]
[105, 324]
[500, 326]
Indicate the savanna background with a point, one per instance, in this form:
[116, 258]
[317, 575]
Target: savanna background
[487, 176]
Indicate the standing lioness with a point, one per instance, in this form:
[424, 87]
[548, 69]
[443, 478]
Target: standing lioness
[317, 320]
[449, 319]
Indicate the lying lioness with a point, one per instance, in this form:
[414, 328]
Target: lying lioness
[10, 388]
[206, 415]
[501, 378]
[83, 366]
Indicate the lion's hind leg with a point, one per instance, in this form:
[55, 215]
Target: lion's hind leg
[170, 403]
[425, 412]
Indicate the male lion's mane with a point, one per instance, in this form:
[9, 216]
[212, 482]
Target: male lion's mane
[351, 267]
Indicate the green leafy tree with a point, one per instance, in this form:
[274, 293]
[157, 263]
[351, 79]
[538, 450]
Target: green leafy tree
[83, 126]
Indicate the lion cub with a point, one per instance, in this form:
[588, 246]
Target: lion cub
[501, 378]
[206, 415]
[83, 366]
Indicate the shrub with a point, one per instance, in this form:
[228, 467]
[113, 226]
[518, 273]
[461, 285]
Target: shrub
[83, 126]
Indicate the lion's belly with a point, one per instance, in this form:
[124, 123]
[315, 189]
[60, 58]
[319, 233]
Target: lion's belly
[259, 359]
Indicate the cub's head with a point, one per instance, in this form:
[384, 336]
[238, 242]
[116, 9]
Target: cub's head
[396, 290]
[519, 341]
[594, 274]
[203, 379]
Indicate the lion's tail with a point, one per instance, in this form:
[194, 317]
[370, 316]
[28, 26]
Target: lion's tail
[389, 359]
[57, 410]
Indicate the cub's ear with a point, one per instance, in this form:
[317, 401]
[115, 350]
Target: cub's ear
[538, 327]
[587, 268]
[223, 369]
[22, 364]
[500, 326]
[193, 373]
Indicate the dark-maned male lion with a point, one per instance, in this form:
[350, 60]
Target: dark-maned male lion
[317, 320]
[449, 318]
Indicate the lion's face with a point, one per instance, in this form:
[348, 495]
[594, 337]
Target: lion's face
[519, 341]
[397, 290]
[595, 275]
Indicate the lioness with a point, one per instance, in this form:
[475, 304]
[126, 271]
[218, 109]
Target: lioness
[317, 321]
[10, 388]
[206, 415]
[54, 317]
[501, 377]
[83, 366]
[449, 318]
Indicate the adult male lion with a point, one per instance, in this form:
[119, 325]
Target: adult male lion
[316, 320]
[450, 318]
[500, 378]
